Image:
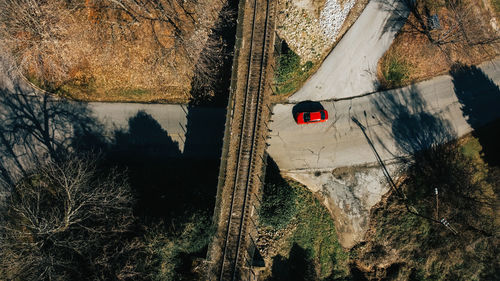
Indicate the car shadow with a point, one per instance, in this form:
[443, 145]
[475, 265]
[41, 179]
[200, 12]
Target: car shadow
[306, 106]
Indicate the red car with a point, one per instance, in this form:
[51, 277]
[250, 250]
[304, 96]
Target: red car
[312, 117]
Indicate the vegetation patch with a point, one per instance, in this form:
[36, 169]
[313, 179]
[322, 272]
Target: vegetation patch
[305, 245]
[103, 50]
[496, 5]
[291, 73]
[395, 72]
[404, 246]
[173, 251]
[436, 35]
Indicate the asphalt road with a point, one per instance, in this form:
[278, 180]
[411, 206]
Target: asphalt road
[198, 131]
[352, 64]
[397, 121]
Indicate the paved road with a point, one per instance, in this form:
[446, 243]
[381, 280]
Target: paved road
[198, 131]
[353, 62]
[396, 121]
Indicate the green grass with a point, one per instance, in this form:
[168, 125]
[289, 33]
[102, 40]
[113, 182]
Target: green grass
[290, 74]
[278, 205]
[427, 250]
[471, 148]
[315, 232]
[496, 5]
[170, 252]
[396, 72]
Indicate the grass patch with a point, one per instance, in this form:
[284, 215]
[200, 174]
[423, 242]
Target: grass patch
[496, 5]
[171, 252]
[290, 74]
[315, 232]
[471, 148]
[415, 55]
[278, 205]
[395, 71]
[308, 249]
[426, 250]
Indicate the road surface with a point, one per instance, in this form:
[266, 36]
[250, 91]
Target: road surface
[395, 121]
[352, 64]
[199, 128]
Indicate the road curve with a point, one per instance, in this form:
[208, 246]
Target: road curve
[340, 142]
[350, 69]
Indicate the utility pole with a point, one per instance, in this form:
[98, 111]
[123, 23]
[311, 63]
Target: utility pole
[447, 224]
[437, 202]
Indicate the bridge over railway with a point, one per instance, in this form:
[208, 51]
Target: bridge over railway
[231, 253]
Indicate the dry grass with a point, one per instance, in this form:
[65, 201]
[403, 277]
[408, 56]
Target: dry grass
[98, 53]
[426, 59]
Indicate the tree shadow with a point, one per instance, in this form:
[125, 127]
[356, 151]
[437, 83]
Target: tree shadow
[298, 267]
[211, 81]
[480, 99]
[306, 106]
[37, 127]
[399, 11]
[168, 184]
[412, 126]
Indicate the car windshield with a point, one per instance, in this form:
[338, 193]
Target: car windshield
[323, 117]
[307, 117]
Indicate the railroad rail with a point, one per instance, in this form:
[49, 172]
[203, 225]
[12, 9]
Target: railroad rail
[230, 254]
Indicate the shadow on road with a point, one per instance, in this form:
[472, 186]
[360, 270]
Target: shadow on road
[306, 106]
[34, 128]
[480, 99]
[399, 11]
[412, 126]
[168, 182]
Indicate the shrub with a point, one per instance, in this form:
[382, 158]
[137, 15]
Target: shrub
[290, 73]
[278, 205]
[396, 71]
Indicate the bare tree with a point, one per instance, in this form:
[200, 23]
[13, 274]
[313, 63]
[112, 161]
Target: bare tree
[462, 23]
[35, 31]
[67, 221]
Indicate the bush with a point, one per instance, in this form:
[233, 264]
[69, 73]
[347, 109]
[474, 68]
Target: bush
[290, 73]
[278, 205]
[396, 72]
[170, 252]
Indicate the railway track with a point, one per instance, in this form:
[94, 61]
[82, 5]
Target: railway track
[231, 258]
